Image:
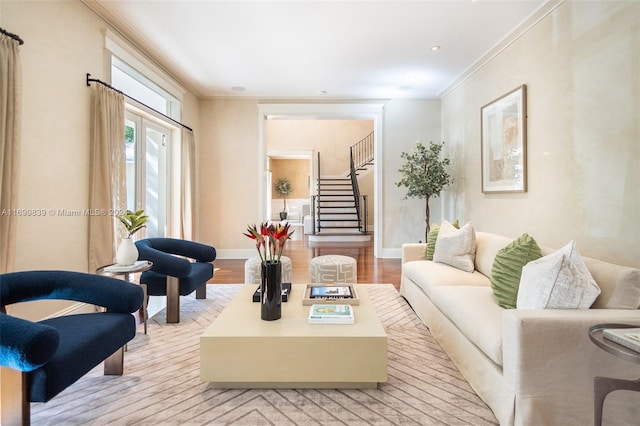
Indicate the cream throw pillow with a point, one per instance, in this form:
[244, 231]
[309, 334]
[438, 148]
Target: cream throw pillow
[560, 280]
[456, 247]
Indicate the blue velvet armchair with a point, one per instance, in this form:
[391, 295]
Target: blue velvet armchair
[38, 360]
[173, 273]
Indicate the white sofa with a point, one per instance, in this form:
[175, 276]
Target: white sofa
[531, 367]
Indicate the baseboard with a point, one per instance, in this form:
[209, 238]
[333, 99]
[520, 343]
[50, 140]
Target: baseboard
[391, 253]
[235, 253]
[76, 308]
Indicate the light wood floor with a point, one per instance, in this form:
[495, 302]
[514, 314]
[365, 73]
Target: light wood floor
[370, 269]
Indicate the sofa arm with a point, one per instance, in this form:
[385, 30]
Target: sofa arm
[549, 362]
[413, 251]
[26, 345]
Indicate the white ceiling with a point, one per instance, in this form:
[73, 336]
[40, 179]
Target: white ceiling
[295, 49]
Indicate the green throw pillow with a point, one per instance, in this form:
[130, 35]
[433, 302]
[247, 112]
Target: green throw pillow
[507, 268]
[434, 229]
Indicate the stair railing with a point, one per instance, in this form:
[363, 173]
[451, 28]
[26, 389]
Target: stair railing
[356, 189]
[360, 155]
[317, 202]
[362, 151]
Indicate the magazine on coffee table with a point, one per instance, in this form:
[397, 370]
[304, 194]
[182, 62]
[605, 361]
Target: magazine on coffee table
[331, 314]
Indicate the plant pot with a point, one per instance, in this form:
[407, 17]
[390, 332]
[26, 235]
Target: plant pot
[127, 252]
[271, 291]
[283, 215]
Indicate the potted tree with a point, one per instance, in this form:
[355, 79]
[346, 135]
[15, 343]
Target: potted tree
[424, 174]
[283, 187]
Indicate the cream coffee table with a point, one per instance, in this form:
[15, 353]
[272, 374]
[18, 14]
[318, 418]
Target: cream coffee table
[239, 350]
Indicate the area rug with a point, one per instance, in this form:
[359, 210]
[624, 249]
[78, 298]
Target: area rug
[161, 384]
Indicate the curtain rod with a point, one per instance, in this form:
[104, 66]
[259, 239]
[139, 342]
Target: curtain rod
[89, 80]
[13, 36]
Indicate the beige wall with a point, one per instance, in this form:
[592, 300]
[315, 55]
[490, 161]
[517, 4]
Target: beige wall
[406, 122]
[331, 138]
[581, 68]
[296, 171]
[55, 128]
[229, 181]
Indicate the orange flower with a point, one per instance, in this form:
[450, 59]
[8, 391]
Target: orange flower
[270, 240]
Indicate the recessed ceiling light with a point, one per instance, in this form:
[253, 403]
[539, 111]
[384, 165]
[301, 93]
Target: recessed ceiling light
[434, 48]
[238, 89]
[321, 92]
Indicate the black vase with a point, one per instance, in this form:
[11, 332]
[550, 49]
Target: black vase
[271, 291]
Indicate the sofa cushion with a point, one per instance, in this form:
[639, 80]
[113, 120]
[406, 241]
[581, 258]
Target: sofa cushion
[433, 236]
[560, 280]
[487, 246]
[476, 314]
[427, 275]
[507, 269]
[619, 285]
[456, 247]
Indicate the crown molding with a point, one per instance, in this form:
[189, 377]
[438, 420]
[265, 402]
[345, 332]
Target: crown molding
[530, 22]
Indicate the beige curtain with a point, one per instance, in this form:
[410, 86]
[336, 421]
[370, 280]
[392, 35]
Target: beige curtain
[107, 186]
[188, 181]
[10, 133]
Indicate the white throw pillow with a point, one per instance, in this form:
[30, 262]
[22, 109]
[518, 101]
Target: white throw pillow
[560, 280]
[456, 247]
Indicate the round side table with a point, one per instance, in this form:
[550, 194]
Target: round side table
[603, 385]
[125, 272]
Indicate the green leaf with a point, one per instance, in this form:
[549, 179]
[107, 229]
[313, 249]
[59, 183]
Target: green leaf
[133, 221]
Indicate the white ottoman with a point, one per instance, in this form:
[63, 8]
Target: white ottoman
[252, 271]
[333, 269]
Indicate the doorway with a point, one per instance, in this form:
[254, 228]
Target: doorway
[363, 111]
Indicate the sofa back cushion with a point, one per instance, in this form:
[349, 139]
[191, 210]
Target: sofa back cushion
[619, 285]
[487, 246]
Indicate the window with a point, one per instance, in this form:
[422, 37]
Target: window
[149, 141]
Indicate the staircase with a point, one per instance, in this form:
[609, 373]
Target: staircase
[340, 211]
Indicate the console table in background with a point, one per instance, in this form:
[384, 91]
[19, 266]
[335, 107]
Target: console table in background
[602, 386]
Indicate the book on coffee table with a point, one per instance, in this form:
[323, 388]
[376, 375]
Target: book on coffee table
[331, 293]
[331, 314]
[286, 290]
[627, 337]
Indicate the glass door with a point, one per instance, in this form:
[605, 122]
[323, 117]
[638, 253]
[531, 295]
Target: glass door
[148, 147]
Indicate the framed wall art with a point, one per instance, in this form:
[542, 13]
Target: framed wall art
[504, 143]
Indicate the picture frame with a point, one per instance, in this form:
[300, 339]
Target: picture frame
[503, 130]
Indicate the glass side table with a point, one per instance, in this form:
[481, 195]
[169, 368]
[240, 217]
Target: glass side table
[603, 385]
[125, 272]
